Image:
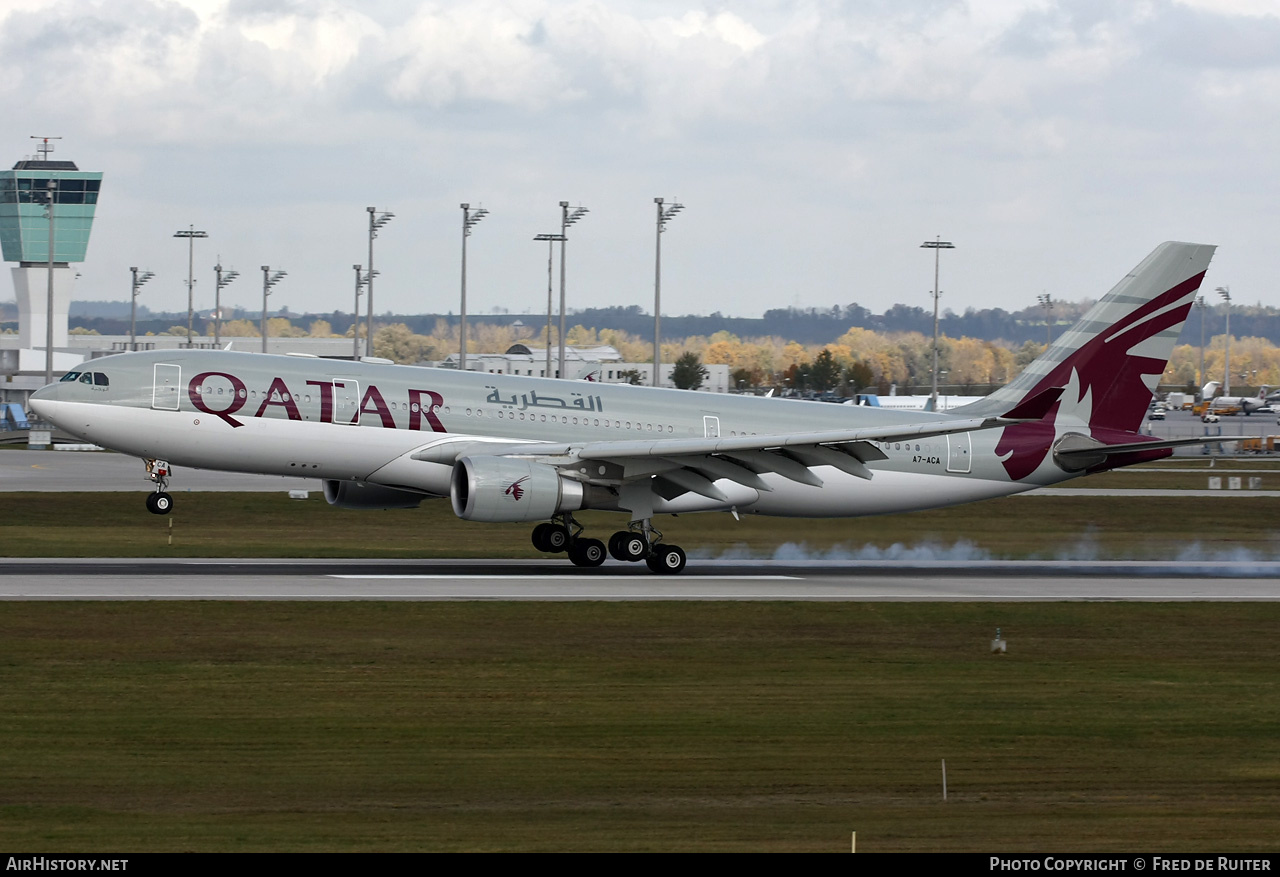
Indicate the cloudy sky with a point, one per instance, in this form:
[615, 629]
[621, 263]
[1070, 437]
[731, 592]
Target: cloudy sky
[815, 144]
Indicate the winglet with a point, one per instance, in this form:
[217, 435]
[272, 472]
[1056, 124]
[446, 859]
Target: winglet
[1036, 407]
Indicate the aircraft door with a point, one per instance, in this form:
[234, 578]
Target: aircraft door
[166, 386]
[710, 426]
[959, 452]
[346, 401]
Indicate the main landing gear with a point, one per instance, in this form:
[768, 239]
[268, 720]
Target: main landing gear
[640, 542]
[160, 502]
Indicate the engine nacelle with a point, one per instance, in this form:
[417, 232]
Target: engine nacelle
[359, 495]
[508, 489]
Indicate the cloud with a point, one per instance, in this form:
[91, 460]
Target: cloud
[814, 141]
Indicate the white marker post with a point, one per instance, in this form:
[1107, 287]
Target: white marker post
[998, 645]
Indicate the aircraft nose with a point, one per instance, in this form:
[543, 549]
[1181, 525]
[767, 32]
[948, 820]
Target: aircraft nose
[49, 393]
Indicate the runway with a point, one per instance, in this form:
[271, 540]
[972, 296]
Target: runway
[703, 579]
[486, 580]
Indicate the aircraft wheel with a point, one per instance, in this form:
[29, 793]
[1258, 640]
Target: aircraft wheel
[556, 538]
[540, 537]
[666, 559]
[628, 546]
[159, 503]
[587, 552]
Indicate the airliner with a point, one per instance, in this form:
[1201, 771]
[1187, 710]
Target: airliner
[1231, 404]
[505, 448]
[946, 401]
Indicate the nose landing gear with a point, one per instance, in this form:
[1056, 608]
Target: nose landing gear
[159, 502]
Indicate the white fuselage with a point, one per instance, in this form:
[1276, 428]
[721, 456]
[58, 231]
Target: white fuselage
[366, 423]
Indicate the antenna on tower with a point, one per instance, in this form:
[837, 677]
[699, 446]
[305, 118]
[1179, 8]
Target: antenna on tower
[45, 146]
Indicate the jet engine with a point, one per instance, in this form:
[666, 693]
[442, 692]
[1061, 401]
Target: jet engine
[504, 489]
[359, 495]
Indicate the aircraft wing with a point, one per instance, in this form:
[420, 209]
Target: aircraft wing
[694, 464]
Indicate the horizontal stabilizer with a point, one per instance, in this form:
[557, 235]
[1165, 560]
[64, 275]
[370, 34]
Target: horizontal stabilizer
[1075, 452]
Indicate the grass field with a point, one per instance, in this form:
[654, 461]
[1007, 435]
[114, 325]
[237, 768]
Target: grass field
[613, 726]
[591, 726]
[272, 525]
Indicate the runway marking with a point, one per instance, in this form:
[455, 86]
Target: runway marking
[534, 578]
[240, 562]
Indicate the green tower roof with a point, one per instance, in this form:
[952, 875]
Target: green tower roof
[24, 227]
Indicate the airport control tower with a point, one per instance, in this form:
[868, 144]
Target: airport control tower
[24, 238]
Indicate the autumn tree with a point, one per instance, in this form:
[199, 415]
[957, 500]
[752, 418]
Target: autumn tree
[282, 327]
[398, 343]
[859, 375]
[240, 329]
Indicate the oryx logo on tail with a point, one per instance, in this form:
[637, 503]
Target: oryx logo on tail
[1108, 364]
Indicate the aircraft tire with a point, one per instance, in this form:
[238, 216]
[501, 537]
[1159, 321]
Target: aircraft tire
[556, 538]
[666, 559]
[627, 546]
[159, 503]
[540, 537]
[587, 552]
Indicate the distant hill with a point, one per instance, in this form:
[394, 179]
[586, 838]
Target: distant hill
[821, 326]
[106, 309]
[805, 325]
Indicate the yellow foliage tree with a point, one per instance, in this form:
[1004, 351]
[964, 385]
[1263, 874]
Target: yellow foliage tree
[398, 343]
[281, 327]
[241, 329]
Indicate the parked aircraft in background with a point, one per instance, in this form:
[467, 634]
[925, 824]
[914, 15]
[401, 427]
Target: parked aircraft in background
[894, 402]
[1243, 404]
[506, 448]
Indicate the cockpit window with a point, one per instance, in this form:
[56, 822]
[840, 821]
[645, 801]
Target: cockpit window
[100, 380]
[86, 378]
[70, 376]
